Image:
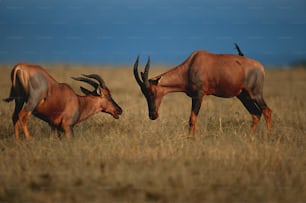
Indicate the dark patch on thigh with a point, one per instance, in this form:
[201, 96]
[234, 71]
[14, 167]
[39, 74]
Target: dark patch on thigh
[254, 81]
[38, 88]
[249, 103]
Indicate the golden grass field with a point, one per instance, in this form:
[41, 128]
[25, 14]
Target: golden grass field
[134, 159]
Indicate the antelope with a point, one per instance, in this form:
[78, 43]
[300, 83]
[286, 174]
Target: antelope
[36, 92]
[204, 73]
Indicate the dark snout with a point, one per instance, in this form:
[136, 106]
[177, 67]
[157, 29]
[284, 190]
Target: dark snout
[113, 109]
[153, 115]
[118, 111]
[153, 112]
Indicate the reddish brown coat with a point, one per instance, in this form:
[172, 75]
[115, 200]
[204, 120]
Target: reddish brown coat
[204, 73]
[36, 92]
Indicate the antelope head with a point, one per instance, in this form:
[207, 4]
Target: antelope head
[149, 88]
[102, 93]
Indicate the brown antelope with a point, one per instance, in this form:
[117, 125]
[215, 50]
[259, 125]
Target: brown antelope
[204, 73]
[36, 92]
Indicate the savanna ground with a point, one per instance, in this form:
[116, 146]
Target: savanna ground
[134, 159]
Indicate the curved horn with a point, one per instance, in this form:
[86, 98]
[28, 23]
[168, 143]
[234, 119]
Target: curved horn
[96, 77]
[136, 74]
[92, 83]
[145, 75]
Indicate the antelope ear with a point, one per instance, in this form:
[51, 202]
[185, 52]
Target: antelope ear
[99, 91]
[156, 81]
[85, 91]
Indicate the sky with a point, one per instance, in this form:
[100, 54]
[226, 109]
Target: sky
[117, 31]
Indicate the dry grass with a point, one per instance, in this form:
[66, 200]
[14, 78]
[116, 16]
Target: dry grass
[134, 159]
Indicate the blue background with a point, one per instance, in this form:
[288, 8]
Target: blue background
[115, 32]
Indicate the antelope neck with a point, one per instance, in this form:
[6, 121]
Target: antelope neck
[174, 80]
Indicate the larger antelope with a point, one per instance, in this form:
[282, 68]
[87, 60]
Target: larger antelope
[36, 92]
[204, 73]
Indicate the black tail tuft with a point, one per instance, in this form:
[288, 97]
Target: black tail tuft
[238, 49]
[11, 97]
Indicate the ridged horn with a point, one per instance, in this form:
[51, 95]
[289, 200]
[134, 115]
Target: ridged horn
[136, 74]
[96, 77]
[86, 80]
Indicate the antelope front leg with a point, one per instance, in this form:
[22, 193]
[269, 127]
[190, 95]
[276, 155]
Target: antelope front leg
[196, 105]
[68, 131]
[193, 124]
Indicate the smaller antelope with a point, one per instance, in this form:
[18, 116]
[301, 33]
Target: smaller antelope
[204, 73]
[36, 92]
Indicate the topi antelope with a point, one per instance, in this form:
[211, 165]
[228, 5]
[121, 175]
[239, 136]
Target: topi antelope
[36, 92]
[204, 73]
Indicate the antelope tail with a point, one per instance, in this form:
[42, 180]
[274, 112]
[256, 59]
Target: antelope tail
[238, 49]
[21, 84]
[11, 97]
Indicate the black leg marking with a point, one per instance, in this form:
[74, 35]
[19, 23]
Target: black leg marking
[250, 104]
